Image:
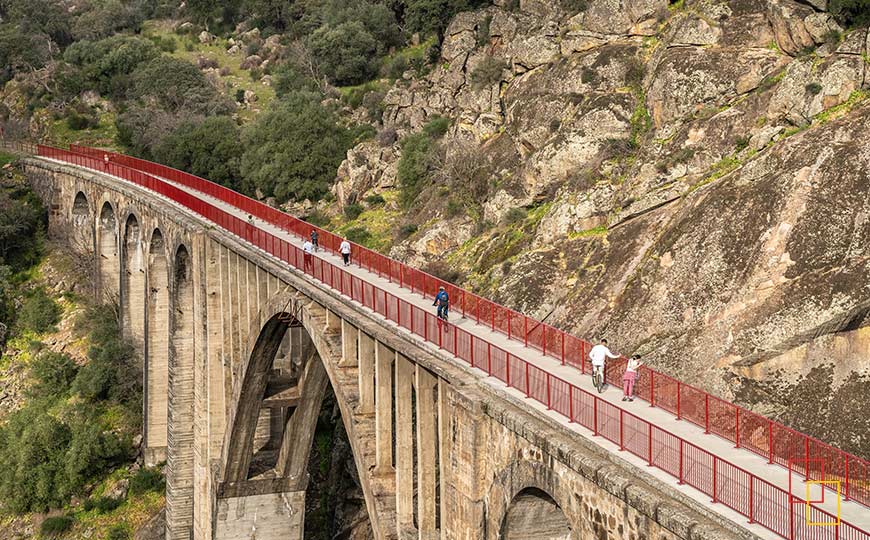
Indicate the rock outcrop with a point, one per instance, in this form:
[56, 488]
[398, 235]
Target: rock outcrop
[694, 182]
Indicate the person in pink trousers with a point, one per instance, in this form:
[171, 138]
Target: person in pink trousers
[630, 377]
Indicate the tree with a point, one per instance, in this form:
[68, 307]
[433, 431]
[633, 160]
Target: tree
[172, 84]
[110, 62]
[293, 151]
[851, 12]
[106, 18]
[433, 16]
[210, 148]
[347, 53]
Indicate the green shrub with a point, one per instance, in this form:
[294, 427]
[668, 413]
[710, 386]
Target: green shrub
[56, 525]
[353, 211]
[414, 167]
[850, 12]
[574, 6]
[454, 207]
[147, 479]
[113, 369]
[436, 127]
[103, 505]
[54, 372]
[483, 35]
[358, 235]
[741, 143]
[118, 531]
[488, 72]
[347, 53]
[293, 150]
[813, 88]
[210, 148]
[375, 198]
[396, 67]
[78, 122]
[407, 230]
[515, 215]
[39, 313]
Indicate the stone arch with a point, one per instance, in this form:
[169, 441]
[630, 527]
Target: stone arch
[133, 283]
[107, 256]
[287, 313]
[179, 473]
[529, 488]
[80, 209]
[533, 515]
[156, 358]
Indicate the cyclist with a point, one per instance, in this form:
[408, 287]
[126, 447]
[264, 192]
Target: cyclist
[599, 355]
[442, 300]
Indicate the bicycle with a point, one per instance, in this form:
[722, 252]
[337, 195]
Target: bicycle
[598, 378]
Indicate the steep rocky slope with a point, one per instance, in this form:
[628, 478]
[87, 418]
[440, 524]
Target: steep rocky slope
[693, 179]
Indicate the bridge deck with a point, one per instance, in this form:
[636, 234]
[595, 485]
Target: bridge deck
[851, 512]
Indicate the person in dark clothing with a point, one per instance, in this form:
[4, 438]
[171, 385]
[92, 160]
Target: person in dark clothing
[442, 300]
[314, 239]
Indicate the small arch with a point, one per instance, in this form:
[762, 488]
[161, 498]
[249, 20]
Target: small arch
[109, 264]
[80, 205]
[534, 515]
[156, 368]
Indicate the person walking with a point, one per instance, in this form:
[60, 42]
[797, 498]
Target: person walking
[599, 355]
[314, 239]
[344, 248]
[442, 300]
[307, 250]
[630, 377]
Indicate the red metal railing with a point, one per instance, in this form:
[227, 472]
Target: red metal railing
[762, 502]
[767, 438]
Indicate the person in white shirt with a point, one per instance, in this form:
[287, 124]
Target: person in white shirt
[307, 250]
[599, 355]
[344, 248]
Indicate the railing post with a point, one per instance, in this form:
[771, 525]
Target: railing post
[680, 481]
[736, 427]
[707, 413]
[425, 325]
[509, 324]
[526, 330]
[463, 302]
[571, 413]
[471, 346]
[544, 338]
[807, 453]
[548, 391]
[679, 388]
[649, 429]
[489, 357]
[770, 441]
[527, 379]
[563, 348]
[621, 422]
[478, 310]
[652, 388]
[715, 462]
[751, 502]
[507, 361]
[440, 333]
[846, 480]
[455, 342]
[595, 416]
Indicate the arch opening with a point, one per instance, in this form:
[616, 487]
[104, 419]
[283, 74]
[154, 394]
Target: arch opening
[289, 427]
[80, 208]
[534, 515]
[179, 474]
[109, 263]
[133, 284]
[156, 356]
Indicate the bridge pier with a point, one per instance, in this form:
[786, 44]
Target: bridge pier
[269, 516]
[384, 358]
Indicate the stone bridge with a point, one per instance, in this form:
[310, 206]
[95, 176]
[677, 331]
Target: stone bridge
[239, 350]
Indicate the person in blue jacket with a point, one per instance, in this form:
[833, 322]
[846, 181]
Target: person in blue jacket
[443, 303]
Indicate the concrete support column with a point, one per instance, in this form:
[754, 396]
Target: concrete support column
[349, 338]
[427, 442]
[404, 443]
[261, 517]
[366, 374]
[384, 358]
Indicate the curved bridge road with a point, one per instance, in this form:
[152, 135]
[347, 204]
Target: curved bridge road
[694, 464]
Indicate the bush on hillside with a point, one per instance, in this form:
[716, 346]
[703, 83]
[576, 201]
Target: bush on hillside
[415, 166]
[55, 525]
[22, 220]
[54, 373]
[112, 371]
[147, 479]
[433, 16]
[488, 72]
[850, 12]
[293, 150]
[210, 148]
[347, 53]
[173, 84]
[118, 531]
[436, 127]
[39, 313]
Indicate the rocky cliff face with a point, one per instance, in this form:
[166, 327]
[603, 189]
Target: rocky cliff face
[695, 184]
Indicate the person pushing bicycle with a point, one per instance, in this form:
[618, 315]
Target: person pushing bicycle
[599, 355]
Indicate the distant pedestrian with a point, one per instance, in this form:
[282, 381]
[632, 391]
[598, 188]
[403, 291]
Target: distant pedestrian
[307, 250]
[442, 300]
[314, 239]
[106, 161]
[630, 378]
[250, 219]
[344, 248]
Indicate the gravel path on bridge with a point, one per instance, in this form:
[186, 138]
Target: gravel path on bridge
[851, 512]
